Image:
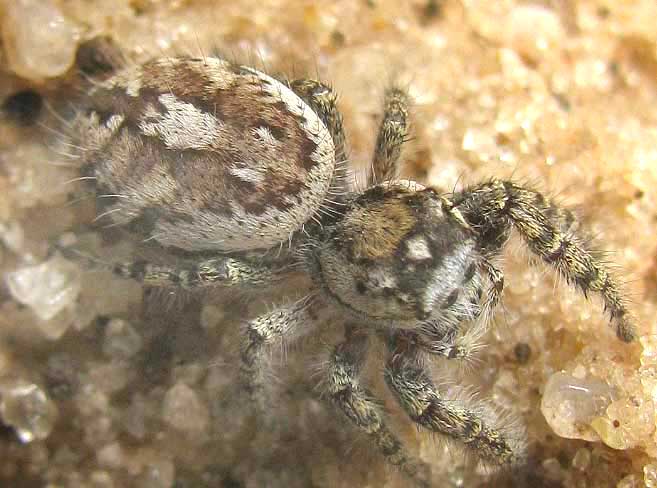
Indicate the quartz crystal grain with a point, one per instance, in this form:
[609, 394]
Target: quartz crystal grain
[39, 40]
[570, 404]
[26, 407]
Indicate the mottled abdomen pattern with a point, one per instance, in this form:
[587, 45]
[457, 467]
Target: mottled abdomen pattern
[204, 154]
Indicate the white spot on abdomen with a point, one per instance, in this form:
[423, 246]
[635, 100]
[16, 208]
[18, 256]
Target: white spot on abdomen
[182, 126]
[245, 173]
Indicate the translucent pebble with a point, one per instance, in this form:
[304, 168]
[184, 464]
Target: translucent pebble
[220, 388]
[38, 454]
[111, 456]
[553, 469]
[579, 372]
[35, 175]
[91, 400]
[38, 40]
[121, 340]
[650, 475]
[26, 407]
[56, 327]
[648, 376]
[610, 432]
[110, 377]
[134, 421]
[105, 295]
[633, 419]
[73, 478]
[189, 373]
[594, 73]
[649, 353]
[99, 430]
[12, 236]
[157, 473]
[481, 143]
[6, 362]
[64, 455]
[582, 459]
[570, 404]
[101, 479]
[457, 477]
[630, 481]
[61, 375]
[184, 410]
[211, 316]
[46, 288]
[532, 30]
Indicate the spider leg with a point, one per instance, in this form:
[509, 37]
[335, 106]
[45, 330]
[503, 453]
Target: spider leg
[453, 343]
[494, 295]
[219, 271]
[550, 232]
[344, 390]
[392, 134]
[208, 272]
[458, 418]
[323, 101]
[260, 334]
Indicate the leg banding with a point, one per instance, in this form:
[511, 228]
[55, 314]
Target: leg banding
[455, 343]
[416, 394]
[323, 100]
[259, 335]
[208, 272]
[343, 388]
[391, 136]
[494, 294]
[549, 232]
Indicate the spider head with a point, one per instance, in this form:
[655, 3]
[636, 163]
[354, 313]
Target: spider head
[395, 257]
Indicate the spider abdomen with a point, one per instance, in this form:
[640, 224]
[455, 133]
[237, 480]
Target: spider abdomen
[203, 154]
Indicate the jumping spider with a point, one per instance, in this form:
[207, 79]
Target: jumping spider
[244, 172]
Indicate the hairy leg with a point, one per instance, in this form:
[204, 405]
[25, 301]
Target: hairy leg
[323, 100]
[260, 334]
[342, 387]
[494, 294]
[459, 418]
[208, 272]
[550, 232]
[219, 271]
[392, 134]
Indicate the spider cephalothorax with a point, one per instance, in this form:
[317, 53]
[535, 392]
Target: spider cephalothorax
[396, 258]
[219, 159]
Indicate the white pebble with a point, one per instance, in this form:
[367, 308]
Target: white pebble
[27, 408]
[121, 340]
[40, 42]
[47, 288]
[570, 404]
[532, 30]
[158, 473]
[184, 410]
